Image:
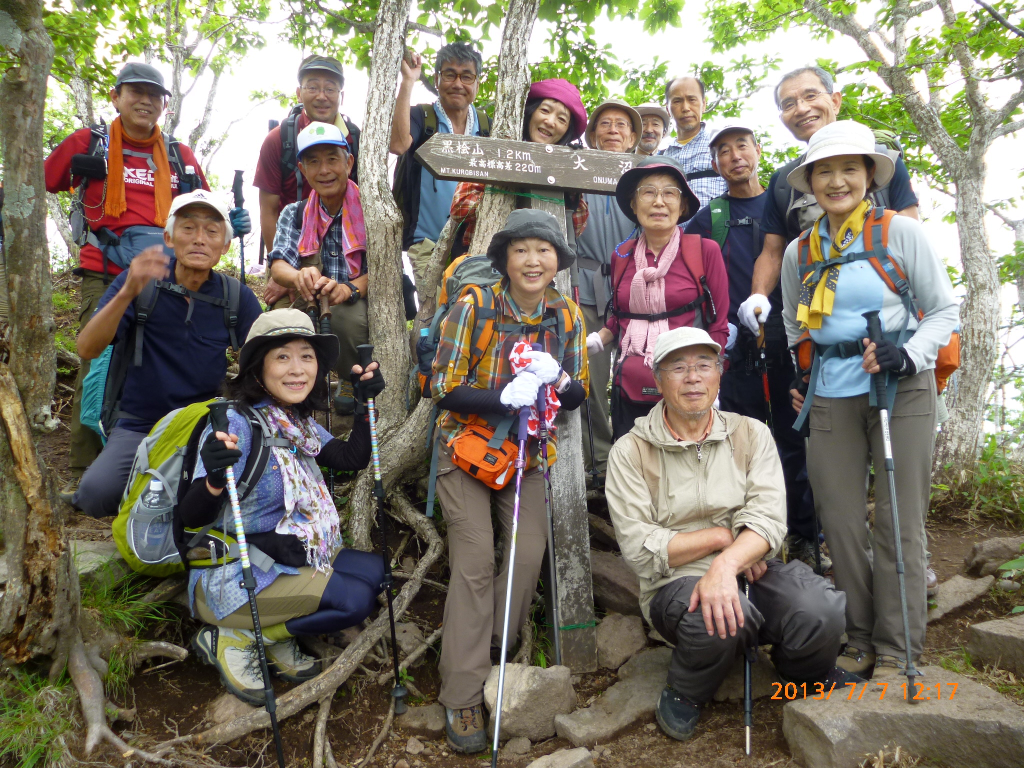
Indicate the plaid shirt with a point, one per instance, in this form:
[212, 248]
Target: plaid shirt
[286, 245]
[452, 361]
[695, 156]
[467, 199]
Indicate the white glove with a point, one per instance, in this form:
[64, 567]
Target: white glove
[733, 333]
[543, 366]
[746, 311]
[594, 343]
[521, 391]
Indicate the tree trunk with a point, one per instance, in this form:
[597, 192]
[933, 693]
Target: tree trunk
[23, 95]
[39, 610]
[510, 100]
[957, 445]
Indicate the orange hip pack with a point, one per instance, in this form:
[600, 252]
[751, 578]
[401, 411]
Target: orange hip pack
[485, 454]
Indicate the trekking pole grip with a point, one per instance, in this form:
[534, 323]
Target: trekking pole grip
[875, 335]
[365, 355]
[236, 189]
[219, 415]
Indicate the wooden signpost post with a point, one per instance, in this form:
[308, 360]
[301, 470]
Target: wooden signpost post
[546, 172]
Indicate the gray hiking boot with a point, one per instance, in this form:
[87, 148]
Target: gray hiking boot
[464, 729]
[803, 549]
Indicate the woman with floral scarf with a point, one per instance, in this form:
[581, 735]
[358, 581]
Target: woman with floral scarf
[309, 584]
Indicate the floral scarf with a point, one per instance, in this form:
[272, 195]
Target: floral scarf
[309, 511]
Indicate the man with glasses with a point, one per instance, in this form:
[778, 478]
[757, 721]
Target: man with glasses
[614, 126]
[687, 102]
[425, 201]
[320, 93]
[697, 499]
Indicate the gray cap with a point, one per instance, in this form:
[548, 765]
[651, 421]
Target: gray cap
[529, 222]
[324, 63]
[137, 72]
[727, 129]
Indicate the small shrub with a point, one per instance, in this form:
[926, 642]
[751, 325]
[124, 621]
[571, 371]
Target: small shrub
[37, 720]
[994, 488]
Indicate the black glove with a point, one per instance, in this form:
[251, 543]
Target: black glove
[409, 297]
[217, 457]
[892, 358]
[364, 390]
[799, 385]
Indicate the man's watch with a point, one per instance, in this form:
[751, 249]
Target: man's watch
[354, 297]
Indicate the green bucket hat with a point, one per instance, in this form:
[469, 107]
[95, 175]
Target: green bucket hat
[527, 222]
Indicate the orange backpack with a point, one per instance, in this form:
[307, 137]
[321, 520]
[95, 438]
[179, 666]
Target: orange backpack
[895, 279]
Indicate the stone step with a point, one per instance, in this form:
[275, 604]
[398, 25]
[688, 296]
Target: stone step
[1000, 643]
[969, 726]
[957, 592]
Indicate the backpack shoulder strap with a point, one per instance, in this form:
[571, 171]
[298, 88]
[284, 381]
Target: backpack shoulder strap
[803, 253]
[259, 451]
[483, 326]
[484, 123]
[231, 290]
[289, 161]
[692, 251]
[719, 220]
[144, 304]
[429, 122]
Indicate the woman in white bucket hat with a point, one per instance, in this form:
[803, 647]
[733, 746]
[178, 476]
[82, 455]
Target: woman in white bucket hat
[852, 261]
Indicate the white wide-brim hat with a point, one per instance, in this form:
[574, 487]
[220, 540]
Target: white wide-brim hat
[843, 137]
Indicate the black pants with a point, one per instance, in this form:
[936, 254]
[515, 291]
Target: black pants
[742, 392]
[625, 412]
[799, 614]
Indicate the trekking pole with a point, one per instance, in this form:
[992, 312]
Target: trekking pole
[542, 430]
[398, 693]
[524, 415]
[748, 698]
[763, 365]
[590, 422]
[325, 329]
[236, 190]
[875, 335]
[219, 423]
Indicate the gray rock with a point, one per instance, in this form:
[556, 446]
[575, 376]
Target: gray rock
[402, 763]
[227, 707]
[1008, 585]
[520, 745]
[762, 675]
[565, 758]
[629, 701]
[532, 698]
[618, 638]
[99, 562]
[602, 531]
[999, 642]
[957, 592]
[616, 587]
[410, 637]
[986, 556]
[976, 728]
[426, 722]
[414, 746]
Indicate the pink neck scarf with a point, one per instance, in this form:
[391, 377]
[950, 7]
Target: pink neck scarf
[316, 221]
[647, 297]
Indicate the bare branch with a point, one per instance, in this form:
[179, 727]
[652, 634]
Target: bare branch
[1011, 223]
[1000, 18]
[1005, 130]
[200, 130]
[966, 61]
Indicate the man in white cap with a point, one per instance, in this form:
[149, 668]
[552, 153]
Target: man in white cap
[656, 122]
[320, 245]
[171, 320]
[614, 126]
[698, 501]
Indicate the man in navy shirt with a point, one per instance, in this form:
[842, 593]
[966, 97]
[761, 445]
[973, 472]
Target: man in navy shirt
[735, 155]
[806, 103]
[185, 340]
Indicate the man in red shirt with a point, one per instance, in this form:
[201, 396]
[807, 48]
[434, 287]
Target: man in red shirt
[320, 93]
[126, 177]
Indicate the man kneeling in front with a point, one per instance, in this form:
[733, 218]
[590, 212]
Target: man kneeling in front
[698, 501]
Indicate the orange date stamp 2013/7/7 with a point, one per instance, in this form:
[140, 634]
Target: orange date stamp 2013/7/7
[818, 691]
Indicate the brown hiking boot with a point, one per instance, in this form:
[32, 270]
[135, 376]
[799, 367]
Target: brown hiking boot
[856, 661]
[464, 729]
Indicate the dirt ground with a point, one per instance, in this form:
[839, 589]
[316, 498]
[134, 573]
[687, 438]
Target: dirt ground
[172, 699]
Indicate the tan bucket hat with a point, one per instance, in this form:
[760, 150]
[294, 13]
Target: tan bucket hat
[634, 116]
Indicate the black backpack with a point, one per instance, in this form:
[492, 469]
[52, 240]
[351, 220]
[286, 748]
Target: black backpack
[290, 156]
[406, 188]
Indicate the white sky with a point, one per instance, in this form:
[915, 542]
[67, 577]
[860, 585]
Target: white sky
[273, 68]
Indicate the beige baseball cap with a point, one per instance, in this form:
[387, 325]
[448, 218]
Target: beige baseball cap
[678, 338]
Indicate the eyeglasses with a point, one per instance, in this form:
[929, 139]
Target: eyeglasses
[449, 76]
[650, 193]
[809, 97]
[330, 91]
[682, 370]
[618, 125]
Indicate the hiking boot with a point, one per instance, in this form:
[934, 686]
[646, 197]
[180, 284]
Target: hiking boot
[931, 583]
[803, 549]
[233, 653]
[676, 714]
[286, 661]
[836, 678]
[67, 493]
[856, 661]
[464, 729]
[887, 666]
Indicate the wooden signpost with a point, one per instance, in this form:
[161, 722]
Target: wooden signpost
[540, 170]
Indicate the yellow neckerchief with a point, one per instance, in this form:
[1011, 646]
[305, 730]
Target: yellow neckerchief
[816, 298]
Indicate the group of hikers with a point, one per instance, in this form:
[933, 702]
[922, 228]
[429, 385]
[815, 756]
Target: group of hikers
[739, 411]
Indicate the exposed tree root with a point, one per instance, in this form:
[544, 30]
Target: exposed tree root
[157, 649]
[525, 644]
[328, 681]
[390, 674]
[320, 746]
[380, 736]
